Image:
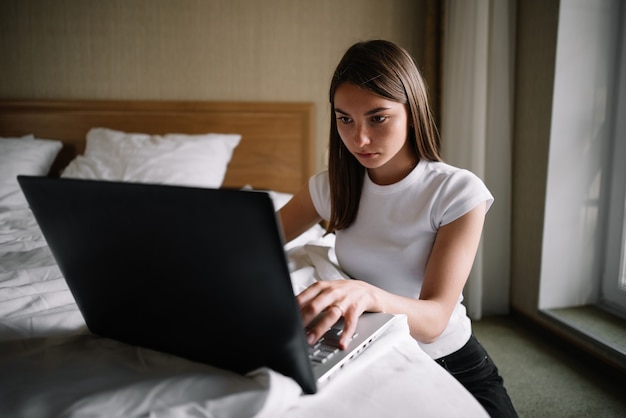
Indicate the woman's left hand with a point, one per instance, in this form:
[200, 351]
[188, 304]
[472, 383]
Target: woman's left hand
[323, 303]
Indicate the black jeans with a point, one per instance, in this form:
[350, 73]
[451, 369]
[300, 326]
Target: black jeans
[472, 366]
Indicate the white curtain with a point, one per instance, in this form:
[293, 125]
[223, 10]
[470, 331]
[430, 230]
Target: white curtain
[476, 128]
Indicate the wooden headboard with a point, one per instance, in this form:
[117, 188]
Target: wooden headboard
[276, 151]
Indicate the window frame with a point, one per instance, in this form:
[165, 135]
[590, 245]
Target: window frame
[613, 288]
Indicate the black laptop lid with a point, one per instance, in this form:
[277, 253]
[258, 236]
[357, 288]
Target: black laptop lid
[199, 273]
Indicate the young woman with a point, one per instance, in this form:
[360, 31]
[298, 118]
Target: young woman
[407, 225]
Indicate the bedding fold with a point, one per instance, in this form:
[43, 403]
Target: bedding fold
[86, 375]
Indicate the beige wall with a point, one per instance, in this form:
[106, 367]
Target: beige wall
[251, 50]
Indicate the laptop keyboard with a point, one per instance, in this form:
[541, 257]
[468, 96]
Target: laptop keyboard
[327, 346]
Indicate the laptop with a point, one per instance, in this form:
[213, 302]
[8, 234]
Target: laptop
[197, 273]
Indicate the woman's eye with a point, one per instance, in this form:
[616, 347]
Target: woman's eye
[344, 119]
[379, 119]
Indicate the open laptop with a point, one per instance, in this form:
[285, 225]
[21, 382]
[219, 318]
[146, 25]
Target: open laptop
[198, 273]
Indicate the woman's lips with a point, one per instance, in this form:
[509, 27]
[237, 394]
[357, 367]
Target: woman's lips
[366, 155]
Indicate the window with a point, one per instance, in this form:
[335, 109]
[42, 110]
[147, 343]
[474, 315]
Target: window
[581, 175]
[613, 292]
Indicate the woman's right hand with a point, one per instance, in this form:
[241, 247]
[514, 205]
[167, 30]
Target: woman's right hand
[323, 303]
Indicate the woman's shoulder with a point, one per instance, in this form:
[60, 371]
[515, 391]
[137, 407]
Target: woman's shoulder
[323, 174]
[456, 189]
[441, 167]
[319, 180]
[441, 172]
[319, 189]
[454, 181]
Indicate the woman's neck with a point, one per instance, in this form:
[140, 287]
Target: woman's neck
[393, 173]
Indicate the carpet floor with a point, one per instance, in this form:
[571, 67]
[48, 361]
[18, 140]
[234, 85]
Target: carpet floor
[545, 377]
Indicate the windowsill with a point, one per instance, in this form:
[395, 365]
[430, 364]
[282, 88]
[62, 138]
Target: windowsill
[605, 331]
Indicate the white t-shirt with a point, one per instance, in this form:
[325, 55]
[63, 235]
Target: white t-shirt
[389, 243]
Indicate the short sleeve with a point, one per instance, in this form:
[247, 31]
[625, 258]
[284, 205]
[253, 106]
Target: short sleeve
[458, 194]
[319, 188]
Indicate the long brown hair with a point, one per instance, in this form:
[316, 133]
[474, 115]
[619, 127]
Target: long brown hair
[386, 70]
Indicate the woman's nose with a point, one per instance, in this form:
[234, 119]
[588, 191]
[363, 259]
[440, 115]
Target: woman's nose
[361, 137]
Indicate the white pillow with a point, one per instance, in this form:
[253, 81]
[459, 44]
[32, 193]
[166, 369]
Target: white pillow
[191, 160]
[279, 199]
[26, 155]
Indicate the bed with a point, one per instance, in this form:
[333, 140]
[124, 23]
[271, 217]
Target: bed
[51, 365]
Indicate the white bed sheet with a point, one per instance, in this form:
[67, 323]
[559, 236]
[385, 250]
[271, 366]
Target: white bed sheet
[50, 365]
